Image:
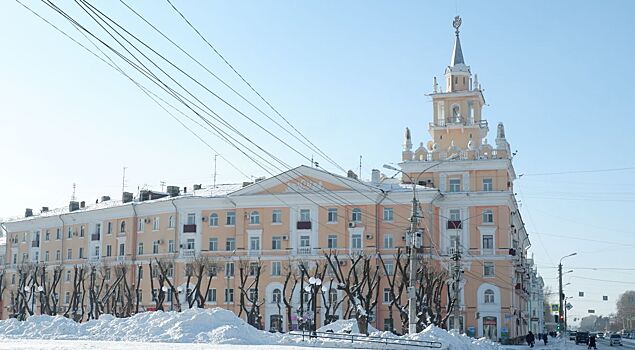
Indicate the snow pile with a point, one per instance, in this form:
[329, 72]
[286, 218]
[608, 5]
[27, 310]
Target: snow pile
[214, 326]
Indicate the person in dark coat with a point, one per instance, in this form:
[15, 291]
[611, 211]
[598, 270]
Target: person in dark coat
[544, 338]
[592, 342]
[530, 338]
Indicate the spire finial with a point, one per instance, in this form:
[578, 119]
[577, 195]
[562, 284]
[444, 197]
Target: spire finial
[457, 24]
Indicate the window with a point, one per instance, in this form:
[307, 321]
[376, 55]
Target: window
[58, 256]
[171, 246]
[388, 324]
[81, 231]
[388, 241]
[333, 296]
[81, 252]
[488, 244]
[141, 225]
[276, 216]
[171, 222]
[191, 219]
[254, 243]
[211, 295]
[356, 215]
[68, 276]
[489, 297]
[230, 219]
[122, 249]
[356, 241]
[390, 267]
[276, 243]
[488, 269]
[189, 244]
[213, 244]
[488, 216]
[387, 296]
[305, 241]
[109, 228]
[46, 255]
[276, 296]
[140, 248]
[107, 274]
[155, 247]
[98, 229]
[253, 268]
[254, 218]
[67, 297]
[96, 251]
[155, 224]
[332, 241]
[455, 214]
[332, 215]
[230, 244]
[488, 185]
[229, 269]
[213, 219]
[58, 234]
[36, 256]
[69, 234]
[229, 295]
[276, 268]
[455, 185]
[69, 253]
[388, 214]
[305, 215]
[122, 227]
[47, 235]
[108, 250]
[252, 294]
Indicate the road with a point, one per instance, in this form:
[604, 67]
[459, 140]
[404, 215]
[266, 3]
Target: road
[603, 344]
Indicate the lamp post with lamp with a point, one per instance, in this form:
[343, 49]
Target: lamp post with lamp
[560, 294]
[313, 287]
[414, 241]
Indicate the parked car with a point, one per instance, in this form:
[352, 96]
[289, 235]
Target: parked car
[615, 339]
[582, 337]
[600, 335]
[572, 335]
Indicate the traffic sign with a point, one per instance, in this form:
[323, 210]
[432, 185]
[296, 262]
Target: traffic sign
[569, 306]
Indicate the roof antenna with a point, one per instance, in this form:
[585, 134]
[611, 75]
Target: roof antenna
[215, 156]
[123, 180]
[360, 166]
[73, 196]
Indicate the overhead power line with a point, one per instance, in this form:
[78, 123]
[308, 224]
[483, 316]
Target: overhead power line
[579, 172]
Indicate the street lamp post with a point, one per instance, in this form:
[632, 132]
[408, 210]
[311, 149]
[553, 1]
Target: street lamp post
[412, 243]
[560, 296]
[314, 287]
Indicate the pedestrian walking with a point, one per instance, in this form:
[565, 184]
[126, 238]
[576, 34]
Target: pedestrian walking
[530, 338]
[592, 343]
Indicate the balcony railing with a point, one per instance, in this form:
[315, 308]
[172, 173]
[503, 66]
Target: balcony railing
[35, 244]
[94, 237]
[480, 123]
[94, 258]
[254, 252]
[121, 258]
[303, 225]
[455, 224]
[189, 228]
[304, 251]
[188, 253]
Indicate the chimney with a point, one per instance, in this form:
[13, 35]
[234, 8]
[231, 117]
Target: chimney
[45, 209]
[375, 175]
[82, 204]
[351, 174]
[173, 191]
[73, 205]
[105, 198]
[28, 212]
[126, 197]
[197, 187]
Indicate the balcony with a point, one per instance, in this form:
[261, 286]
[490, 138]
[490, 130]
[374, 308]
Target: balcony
[188, 253]
[121, 258]
[94, 237]
[303, 225]
[94, 258]
[447, 123]
[304, 250]
[189, 228]
[35, 244]
[455, 224]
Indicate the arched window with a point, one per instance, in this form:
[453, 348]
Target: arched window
[356, 215]
[254, 218]
[489, 296]
[333, 296]
[277, 296]
[488, 216]
[123, 227]
[213, 219]
[171, 222]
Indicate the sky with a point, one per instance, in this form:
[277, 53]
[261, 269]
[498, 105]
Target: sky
[350, 76]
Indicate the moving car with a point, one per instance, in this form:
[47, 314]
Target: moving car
[582, 337]
[600, 335]
[615, 339]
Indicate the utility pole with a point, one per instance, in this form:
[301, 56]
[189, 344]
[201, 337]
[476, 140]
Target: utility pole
[162, 183]
[412, 295]
[123, 180]
[457, 283]
[215, 155]
[560, 298]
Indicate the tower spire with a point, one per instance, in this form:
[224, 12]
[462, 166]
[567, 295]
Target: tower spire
[457, 53]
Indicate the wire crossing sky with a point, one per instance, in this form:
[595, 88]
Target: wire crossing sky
[344, 80]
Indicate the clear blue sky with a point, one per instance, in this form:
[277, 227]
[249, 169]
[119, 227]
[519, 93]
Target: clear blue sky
[351, 76]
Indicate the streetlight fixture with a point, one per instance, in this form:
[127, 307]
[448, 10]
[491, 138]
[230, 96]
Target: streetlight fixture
[414, 242]
[314, 286]
[560, 296]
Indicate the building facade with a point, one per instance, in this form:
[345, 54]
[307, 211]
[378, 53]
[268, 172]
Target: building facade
[470, 223]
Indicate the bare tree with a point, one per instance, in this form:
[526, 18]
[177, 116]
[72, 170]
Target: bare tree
[249, 291]
[290, 281]
[398, 280]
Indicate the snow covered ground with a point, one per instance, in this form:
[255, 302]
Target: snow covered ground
[198, 329]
